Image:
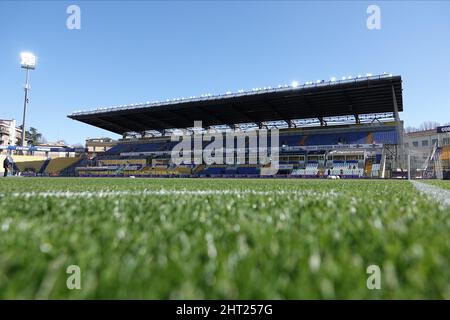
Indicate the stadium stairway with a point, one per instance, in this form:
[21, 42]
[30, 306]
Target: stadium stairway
[44, 166]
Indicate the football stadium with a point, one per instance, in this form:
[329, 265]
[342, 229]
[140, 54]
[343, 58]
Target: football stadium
[327, 128]
[315, 190]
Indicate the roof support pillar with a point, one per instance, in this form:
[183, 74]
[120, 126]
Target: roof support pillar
[323, 123]
[399, 124]
[394, 99]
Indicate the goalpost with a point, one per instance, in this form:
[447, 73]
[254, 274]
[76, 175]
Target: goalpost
[424, 164]
[427, 160]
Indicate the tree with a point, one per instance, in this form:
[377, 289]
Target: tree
[410, 129]
[429, 125]
[424, 126]
[32, 136]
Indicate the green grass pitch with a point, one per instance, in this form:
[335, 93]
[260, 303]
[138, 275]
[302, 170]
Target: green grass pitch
[221, 238]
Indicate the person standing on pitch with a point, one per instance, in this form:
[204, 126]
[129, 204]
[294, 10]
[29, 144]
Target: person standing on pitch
[6, 166]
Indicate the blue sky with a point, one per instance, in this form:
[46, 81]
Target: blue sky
[130, 52]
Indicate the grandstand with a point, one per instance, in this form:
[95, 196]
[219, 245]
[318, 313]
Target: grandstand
[43, 161]
[348, 128]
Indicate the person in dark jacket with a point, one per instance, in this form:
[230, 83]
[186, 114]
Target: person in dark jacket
[6, 164]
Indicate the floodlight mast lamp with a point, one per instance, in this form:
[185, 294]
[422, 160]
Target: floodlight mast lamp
[27, 62]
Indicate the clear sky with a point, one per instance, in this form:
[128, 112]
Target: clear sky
[130, 52]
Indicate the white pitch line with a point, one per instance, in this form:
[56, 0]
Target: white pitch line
[162, 192]
[438, 194]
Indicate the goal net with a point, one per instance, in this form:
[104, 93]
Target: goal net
[424, 163]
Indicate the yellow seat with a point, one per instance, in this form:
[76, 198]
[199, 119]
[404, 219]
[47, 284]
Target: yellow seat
[29, 163]
[56, 165]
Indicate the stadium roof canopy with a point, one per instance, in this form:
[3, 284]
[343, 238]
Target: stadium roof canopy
[354, 97]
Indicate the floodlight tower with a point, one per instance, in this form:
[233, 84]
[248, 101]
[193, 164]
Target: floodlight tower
[27, 62]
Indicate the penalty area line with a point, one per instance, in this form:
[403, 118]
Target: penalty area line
[435, 193]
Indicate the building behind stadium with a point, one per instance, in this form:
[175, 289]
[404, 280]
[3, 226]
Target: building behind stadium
[9, 133]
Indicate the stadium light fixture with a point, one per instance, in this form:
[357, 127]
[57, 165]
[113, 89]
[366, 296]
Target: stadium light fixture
[27, 62]
[368, 74]
[294, 84]
[333, 78]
